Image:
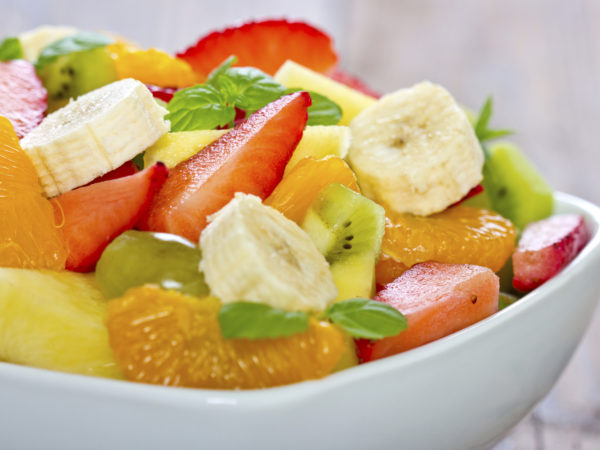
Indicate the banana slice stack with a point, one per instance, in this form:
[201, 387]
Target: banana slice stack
[415, 150]
[94, 134]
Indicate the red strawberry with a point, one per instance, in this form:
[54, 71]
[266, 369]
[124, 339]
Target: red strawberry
[353, 82]
[266, 44]
[162, 93]
[129, 168]
[437, 300]
[250, 158]
[94, 215]
[22, 96]
[546, 247]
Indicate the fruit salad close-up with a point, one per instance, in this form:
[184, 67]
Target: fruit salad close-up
[245, 214]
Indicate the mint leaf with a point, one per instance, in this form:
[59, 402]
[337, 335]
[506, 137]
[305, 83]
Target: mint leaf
[322, 111]
[221, 69]
[79, 42]
[482, 131]
[10, 48]
[259, 321]
[200, 107]
[364, 318]
[248, 88]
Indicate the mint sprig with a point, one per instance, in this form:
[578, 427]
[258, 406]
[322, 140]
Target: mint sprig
[364, 318]
[482, 130]
[10, 48]
[359, 317]
[79, 42]
[259, 321]
[213, 104]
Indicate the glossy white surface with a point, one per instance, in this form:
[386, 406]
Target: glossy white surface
[464, 391]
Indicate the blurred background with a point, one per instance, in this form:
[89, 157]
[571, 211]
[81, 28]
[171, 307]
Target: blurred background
[540, 59]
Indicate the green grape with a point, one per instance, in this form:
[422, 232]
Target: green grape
[136, 258]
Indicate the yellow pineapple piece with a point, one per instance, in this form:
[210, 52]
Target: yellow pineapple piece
[317, 142]
[54, 320]
[293, 75]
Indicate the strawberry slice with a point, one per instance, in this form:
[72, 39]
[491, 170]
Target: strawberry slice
[353, 82]
[23, 98]
[266, 44]
[94, 215]
[250, 158]
[546, 247]
[162, 93]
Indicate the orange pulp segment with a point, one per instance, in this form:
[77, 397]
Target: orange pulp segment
[300, 186]
[151, 66]
[164, 337]
[29, 237]
[458, 235]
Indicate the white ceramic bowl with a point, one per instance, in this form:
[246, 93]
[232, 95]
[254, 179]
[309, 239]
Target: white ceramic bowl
[464, 391]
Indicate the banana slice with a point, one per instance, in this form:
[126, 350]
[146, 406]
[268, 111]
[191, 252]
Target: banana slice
[252, 252]
[34, 41]
[415, 150]
[94, 134]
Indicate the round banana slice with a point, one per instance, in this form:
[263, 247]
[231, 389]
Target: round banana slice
[252, 252]
[94, 134]
[415, 150]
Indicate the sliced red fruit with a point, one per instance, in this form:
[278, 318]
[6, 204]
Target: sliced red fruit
[94, 215]
[129, 168]
[472, 193]
[265, 44]
[250, 158]
[23, 98]
[353, 82]
[437, 300]
[162, 93]
[546, 247]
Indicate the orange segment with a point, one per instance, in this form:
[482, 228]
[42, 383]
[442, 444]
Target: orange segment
[459, 235]
[388, 269]
[300, 186]
[28, 236]
[164, 337]
[151, 66]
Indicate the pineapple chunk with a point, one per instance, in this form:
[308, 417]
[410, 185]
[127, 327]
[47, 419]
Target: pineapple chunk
[293, 75]
[54, 320]
[317, 141]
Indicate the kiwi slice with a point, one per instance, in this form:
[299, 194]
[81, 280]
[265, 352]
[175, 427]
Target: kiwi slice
[347, 228]
[515, 187]
[74, 74]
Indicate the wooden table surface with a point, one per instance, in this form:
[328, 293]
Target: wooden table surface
[539, 58]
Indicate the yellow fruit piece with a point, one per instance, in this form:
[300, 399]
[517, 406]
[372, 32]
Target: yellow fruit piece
[151, 66]
[352, 102]
[164, 337]
[300, 186]
[459, 235]
[28, 235]
[54, 320]
[317, 141]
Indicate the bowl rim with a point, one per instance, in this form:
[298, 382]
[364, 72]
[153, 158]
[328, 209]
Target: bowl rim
[257, 398]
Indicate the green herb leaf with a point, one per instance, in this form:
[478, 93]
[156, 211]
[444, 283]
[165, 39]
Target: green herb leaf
[364, 318]
[200, 107]
[221, 69]
[259, 321]
[322, 111]
[10, 48]
[482, 131]
[247, 88]
[79, 42]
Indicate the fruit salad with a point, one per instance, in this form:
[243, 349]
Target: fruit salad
[245, 214]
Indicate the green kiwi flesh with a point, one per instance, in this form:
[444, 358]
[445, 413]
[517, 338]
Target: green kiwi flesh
[347, 228]
[75, 74]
